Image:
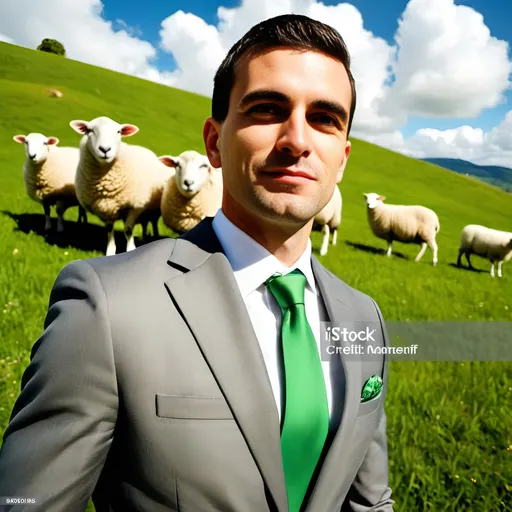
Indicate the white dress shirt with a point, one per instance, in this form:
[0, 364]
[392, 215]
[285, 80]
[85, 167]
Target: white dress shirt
[253, 265]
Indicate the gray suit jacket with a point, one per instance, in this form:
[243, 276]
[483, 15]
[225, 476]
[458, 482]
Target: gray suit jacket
[148, 391]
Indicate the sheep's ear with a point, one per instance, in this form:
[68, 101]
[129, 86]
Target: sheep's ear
[20, 139]
[169, 161]
[53, 141]
[81, 127]
[127, 130]
[382, 198]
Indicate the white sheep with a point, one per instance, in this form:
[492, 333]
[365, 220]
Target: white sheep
[403, 223]
[115, 180]
[492, 244]
[329, 219]
[49, 176]
[55, 93]
[193, 193]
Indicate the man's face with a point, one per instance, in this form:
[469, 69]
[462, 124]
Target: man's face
[283, 146]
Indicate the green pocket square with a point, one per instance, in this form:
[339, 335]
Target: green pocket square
[371, 389]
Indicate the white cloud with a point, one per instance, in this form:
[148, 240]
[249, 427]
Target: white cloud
[196, 48]
[445, 62]
[448, 64]
[86, 36]
[6, 39]
[465, 142]
[199, 48]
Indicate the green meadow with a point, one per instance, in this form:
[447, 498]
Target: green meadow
[449, 423]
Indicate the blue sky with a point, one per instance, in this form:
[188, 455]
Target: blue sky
[380, 17]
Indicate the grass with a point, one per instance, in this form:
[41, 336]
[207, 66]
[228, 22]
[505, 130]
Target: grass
[449, 424]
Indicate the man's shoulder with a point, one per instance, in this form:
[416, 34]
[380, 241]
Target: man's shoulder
[146, 259]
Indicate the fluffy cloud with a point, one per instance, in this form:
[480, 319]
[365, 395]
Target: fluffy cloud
[79, 26]
[6, 39]
[445, 62]
[199, 48]
[448, 64]
[465, 142]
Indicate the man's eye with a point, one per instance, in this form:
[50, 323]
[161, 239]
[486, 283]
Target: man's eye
[325, 119]
[264, 108]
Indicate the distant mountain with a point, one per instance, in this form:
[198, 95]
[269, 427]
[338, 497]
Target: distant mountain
[492, 174]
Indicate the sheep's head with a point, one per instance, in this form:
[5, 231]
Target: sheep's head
[37, 146]
[192, 171]
[373, 199]
[103, 136]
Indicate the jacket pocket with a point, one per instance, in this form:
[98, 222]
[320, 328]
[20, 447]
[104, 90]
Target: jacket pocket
[192, 407]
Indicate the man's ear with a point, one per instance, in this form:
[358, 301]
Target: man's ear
[341, 170]
[211, 137]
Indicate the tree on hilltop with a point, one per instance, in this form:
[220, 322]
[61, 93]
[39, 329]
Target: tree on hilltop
[52, 46]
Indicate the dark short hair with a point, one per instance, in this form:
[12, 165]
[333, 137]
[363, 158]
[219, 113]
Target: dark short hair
[288, 30]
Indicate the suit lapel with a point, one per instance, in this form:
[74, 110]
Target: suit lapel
[331, 477]
[209, 299]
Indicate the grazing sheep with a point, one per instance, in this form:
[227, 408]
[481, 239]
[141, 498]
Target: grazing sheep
[492, 244]
[403, 223]
[193, 193]
[49, 175]
[115, 180]
[329, 219]
[55, 93]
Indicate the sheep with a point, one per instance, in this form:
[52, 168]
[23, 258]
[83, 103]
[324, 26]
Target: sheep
[193, 193]
[54, 93]
[49, 176]
[329, 219]
[489, 243]
[403, 223]
[115, 180]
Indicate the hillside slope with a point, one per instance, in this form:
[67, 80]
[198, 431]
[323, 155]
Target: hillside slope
[448, 423]
[492, 174]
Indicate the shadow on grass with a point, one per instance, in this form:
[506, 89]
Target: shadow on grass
[374, 250]
[86, 237]
[468, 269]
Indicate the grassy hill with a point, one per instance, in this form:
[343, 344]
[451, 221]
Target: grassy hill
[449, 423]
[492, 174]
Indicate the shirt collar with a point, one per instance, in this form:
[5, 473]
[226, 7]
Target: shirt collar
[252, 264]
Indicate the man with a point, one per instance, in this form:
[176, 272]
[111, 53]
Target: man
[188, 374]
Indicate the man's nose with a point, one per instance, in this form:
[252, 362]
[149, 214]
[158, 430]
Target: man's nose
[294, 136]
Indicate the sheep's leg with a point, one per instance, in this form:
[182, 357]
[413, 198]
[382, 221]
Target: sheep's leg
[499, 268]
[422, 251]
[154, 222]
[61, 210]
[492, 268]
[468, 254]
[129, 224]
[334, 236]
[388, 253]
[144, 230]
[433, 246]
[111, 242]
[47, 216]
[325, 241]
[82, 214]
[459, 258]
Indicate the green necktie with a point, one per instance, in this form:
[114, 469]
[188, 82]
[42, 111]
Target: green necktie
[306, 414]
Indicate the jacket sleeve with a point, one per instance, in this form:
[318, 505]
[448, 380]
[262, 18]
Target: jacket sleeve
[370, 491]
[62, 423]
